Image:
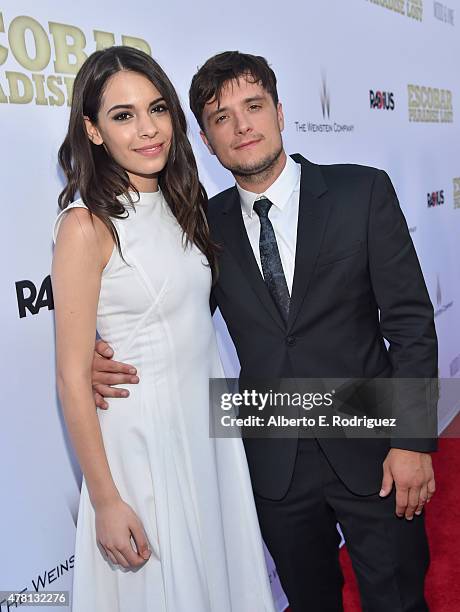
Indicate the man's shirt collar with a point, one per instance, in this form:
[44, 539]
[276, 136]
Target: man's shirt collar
[278, 193]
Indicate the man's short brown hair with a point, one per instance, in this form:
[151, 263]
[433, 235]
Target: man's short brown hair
[208, 82]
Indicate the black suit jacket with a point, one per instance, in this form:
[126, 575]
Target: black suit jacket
[354, 258]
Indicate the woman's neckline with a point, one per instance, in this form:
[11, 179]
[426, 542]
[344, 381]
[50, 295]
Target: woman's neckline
[145, 197]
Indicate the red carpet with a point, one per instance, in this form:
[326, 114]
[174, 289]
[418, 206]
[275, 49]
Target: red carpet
[443, 526]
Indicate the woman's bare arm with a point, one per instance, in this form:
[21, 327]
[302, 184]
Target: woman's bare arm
[82, 249]
[77, 268]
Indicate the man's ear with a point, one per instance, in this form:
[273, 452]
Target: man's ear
[280, 115]
[93, 133]
[206, 142]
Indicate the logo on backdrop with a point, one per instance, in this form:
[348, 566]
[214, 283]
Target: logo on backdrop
[455, 366]
[49, 576]
[32, 299]
[443, 13]
[382, 100]
[328, 127]
[435, 198]
[456, 192]
[42, 582]
[43, 72]
[325, 100]
[409, 8]
[440, 306]
[430, 104]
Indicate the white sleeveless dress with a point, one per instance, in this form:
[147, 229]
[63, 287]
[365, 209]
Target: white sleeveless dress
[191, 492]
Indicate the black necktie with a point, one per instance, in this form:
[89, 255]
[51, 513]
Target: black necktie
[272, 267]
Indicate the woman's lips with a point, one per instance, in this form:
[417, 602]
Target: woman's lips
[150, 151]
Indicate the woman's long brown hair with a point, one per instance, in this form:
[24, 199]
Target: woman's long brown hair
[93, 174]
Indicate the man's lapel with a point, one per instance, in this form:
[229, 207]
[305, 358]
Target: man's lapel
[237, 242]
[313, 215]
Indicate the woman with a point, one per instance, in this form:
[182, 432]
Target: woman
[166, 519]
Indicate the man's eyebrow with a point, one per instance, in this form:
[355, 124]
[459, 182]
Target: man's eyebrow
[254, 99]
[221, 109]
[130, 106]
[224, 109]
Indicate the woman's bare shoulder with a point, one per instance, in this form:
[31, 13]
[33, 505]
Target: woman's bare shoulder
[80, 229]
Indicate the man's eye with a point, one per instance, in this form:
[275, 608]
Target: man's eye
[220, 118]
[160, 109]
[255, 106]
[121, 117]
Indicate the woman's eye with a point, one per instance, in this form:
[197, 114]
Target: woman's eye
[160, 108]
[122, 117]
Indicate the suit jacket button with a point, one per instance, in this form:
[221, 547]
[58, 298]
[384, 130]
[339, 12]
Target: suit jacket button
[290, 340]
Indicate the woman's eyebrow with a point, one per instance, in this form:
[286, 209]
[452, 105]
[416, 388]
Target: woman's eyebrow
[130, 106]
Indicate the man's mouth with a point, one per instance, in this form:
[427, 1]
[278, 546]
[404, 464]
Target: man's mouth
[248, 144]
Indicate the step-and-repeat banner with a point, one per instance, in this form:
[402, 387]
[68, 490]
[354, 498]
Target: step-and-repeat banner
[374, 82]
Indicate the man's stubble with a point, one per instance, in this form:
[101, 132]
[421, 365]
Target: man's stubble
[259, 171]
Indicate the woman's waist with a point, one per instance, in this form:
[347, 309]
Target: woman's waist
[161, 340]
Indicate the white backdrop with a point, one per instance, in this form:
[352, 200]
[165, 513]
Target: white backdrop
[328, 56]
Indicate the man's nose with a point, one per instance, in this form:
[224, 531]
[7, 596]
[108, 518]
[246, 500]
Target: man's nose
[242, 124]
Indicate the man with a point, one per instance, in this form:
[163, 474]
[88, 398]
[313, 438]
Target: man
[317, 267]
